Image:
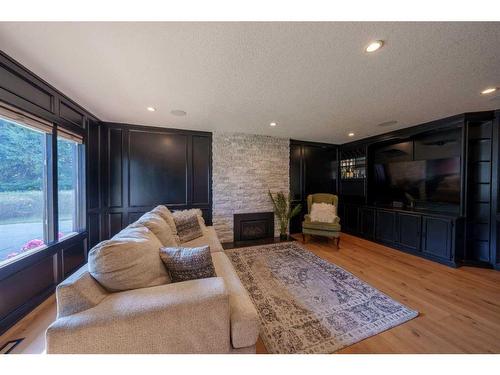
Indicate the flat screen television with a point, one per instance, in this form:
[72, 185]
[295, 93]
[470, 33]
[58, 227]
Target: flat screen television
[433, 181]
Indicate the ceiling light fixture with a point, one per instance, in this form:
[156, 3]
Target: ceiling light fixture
[273, 124]
[489, 90]
[178, 112]
[151, 109]
[351, 134]
[374, 46]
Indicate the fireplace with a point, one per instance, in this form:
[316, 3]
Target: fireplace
[253, 226]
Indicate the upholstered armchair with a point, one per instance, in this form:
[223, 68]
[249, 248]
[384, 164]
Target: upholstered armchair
[330, 230]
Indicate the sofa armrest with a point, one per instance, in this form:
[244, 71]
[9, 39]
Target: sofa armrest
[185, 317]
[78, 292]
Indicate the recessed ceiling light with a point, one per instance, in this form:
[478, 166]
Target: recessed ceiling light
[178, 112]
[351, 134]
[273, 124]
[373, 46]
[489, 90]
[151, 109]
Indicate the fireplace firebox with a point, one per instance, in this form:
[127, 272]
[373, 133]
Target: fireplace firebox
[253, 226]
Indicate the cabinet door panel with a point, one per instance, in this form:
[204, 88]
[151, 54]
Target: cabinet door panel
[351, 217]
[385, 226]
[367, 223]
[409, 228]
[437, 237]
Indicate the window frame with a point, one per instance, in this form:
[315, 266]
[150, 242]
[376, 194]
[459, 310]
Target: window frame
[80, 214]
[50, 216]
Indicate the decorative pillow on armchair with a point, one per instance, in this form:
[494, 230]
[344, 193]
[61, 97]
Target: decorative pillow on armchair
[323, 213]
[185, 264]
[188, 225]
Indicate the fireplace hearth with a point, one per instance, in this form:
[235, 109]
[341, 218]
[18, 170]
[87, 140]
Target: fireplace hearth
[253, 226]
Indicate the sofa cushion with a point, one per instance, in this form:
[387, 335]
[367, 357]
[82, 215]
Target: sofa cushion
[129, 260]
[155, 223]
[184, 264]
[244, 319]
[209, 238]
[166, 215]
[187, 224]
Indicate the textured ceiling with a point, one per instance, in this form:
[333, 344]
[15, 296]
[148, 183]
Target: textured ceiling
[314, 79]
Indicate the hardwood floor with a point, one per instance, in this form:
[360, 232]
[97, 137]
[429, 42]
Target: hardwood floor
[459, 308]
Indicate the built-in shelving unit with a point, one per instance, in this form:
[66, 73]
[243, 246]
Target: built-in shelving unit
[353, 171]
[459, 230]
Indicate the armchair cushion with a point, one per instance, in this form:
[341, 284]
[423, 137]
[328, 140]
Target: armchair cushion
[333, 227]
[307, 220]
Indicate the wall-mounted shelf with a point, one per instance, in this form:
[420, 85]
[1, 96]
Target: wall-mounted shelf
[353, 168]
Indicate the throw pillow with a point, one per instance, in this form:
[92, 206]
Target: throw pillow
[323, 213]
[188, 225]
[185, 264]
[159, 227]
[129, 260]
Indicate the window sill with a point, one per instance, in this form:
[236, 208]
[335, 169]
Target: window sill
[23, 255]
[36, 255]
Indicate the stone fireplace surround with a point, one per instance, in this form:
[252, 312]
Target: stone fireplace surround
[244, 168]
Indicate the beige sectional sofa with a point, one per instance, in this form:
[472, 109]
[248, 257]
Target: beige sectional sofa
[212, 315]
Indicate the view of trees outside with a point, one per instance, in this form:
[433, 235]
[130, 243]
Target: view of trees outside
[66, 171]
[22, 189]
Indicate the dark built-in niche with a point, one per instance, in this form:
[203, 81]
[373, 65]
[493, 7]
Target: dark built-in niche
[313, 169]
[142, 167]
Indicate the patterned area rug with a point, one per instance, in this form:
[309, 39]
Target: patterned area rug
[309, 305]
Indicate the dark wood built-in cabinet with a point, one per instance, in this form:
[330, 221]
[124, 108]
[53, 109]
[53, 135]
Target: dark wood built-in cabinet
[463, 230]
[409, 230]
[313, 169]
[437, 237]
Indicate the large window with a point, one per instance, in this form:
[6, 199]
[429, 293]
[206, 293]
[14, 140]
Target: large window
[70, 184]
[27, 217]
